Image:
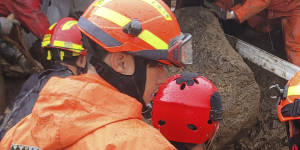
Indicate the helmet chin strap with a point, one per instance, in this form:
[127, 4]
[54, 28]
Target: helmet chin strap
[132, 85]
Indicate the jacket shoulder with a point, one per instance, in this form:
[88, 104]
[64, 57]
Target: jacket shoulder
[131, 134]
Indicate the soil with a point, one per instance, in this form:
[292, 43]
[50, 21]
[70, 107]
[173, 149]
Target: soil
[269, 132]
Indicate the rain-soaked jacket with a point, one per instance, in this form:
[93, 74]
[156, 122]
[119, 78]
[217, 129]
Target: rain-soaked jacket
[28, 12]
[288, 11]
[84, 112]
[28, 95]
[249, 8]
[276, 8]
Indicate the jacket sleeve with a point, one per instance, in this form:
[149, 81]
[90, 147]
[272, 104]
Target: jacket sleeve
[29, 13]
[250, 8]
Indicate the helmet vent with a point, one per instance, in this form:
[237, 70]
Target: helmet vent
[161, 122]
[196, 81]
[209, 121]
[182, 86]
[192, 127]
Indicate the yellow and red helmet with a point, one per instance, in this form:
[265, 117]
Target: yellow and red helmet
[64, 35]
[145, 28]
[289, 106]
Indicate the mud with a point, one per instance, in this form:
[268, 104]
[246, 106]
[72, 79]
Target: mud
[268, 133]
[217, 60]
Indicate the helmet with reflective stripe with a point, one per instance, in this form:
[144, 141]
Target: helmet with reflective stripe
[64, 35]
[145, 28]
[288, 107]
[187, 109]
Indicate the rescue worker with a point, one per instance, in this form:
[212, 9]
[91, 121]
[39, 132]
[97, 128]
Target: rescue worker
[288, 110]
[128, 41]
[65, 56]
[287, 11]
[187, 110]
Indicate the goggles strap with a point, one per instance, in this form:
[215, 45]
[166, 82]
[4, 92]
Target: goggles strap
[216, 112]
[152, 54]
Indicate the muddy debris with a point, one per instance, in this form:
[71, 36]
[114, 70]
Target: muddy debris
[215, 59]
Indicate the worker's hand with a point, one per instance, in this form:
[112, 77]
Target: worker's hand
[218, 11]
[6, 23]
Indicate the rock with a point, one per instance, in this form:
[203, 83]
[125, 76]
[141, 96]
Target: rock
[269, 132]
[215, 59]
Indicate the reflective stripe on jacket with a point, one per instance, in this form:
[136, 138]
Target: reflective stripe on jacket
[84, 112]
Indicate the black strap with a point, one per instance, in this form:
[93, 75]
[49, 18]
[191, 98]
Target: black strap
[294, 142]
[152, 54]
[291, 110]
[97, 33]
[217, 110]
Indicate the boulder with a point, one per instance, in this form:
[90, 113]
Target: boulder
[215, 59]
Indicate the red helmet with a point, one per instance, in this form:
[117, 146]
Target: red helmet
[145, 28]
[289, 106]
[187, 109]
[64, 35]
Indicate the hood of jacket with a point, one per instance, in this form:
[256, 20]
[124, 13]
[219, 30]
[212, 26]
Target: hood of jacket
[69, 109]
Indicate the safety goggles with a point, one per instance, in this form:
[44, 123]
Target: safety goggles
[180, 51]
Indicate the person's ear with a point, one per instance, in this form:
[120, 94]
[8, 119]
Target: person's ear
[122, 63]
[81, 61]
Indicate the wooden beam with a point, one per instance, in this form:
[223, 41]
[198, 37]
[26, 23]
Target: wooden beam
[274, 64]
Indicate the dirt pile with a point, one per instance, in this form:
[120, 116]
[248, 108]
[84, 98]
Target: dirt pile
[215, 59]
[268, 133]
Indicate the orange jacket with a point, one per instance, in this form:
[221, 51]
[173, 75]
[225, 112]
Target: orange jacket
[84, 112]
[276, 8]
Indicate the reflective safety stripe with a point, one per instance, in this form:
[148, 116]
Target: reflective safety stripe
[75, 54]
[73, 46]
[61, 54]
[68, 25]
[153, 40]
[52, 26]
[112, 16]
[46, 37]
[293, 90]
[100, 3]
[46, 43]
[159, 8]
[49, 57]
[122, 20]
[46, 40]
